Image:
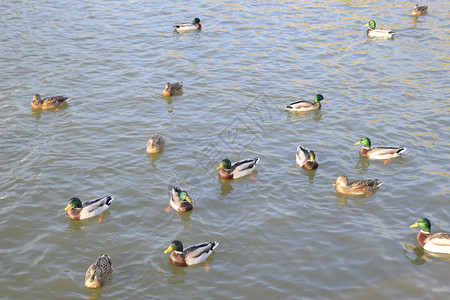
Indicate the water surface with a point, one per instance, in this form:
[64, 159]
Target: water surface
[285, 233]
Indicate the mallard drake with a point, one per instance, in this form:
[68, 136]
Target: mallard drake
[378, 32]
[438, 242]
[191, 255]
[49, 102]
[179, 200]
[156, 143]
[419, 10]
[99, 273]
[378, 152]
[89, 209]
[195, 25]
[306, 159]
[358, 187]
[238, 169]
[172, 89]
[306, 105]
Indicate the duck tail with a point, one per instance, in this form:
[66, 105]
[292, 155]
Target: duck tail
[401, 150]
[109, 199]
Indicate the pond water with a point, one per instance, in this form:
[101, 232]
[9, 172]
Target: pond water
[284, 232]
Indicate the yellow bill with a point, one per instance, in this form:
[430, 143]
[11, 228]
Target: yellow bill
[414, 225]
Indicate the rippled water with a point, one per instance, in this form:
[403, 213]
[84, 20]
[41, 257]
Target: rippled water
[284, 233]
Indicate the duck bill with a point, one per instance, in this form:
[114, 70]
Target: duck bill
[188, 199]
[357, 143]
[219, 167]
[67, 207]
[414, 225]
[367, 24]
[324, 100]
[336, 183]
[168, 249]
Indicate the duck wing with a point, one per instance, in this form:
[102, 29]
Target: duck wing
[199, 253]
[244, 164]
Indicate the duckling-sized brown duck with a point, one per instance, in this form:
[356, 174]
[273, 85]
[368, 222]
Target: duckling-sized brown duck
[358, 187]
[156, 143]
[419, 10]
[172, 89]
[99, 273]
[49, 102]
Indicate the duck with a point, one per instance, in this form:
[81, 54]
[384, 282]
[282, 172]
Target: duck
[89, 209]
[238, 169]
[303, 105]
[49, 102]
[195, 25]
[156, 143]
[372, 31]
[191, 255]
[99, 273]
[358, 187]
[438, 242]
[172, 89]
[179, 200]
[378, 152]
[419, 10]
[306, 159]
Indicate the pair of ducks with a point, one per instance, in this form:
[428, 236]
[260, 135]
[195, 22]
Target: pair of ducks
[373, 32]
[101, 271]
[307, 160]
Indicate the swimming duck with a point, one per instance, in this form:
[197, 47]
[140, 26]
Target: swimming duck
[438, 242]
[191, 255]
[99, 273]
[195, 25]
[378, 32]
[358, 187]
[306, 105]
[172, 89]
[49, 102]
[89, 209]
[419, 10]
[179, 200]
[156, 143]
[378, 152]
[238, 169]
[306, 159]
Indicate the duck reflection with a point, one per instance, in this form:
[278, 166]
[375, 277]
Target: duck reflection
[37, 113]
[362, 164]
[423, 256]
[178, 274]
[75, 225]
[95, 294]
[225, 186]
[314, 115]
[152, 157]
[342, 199]
[310, 174]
